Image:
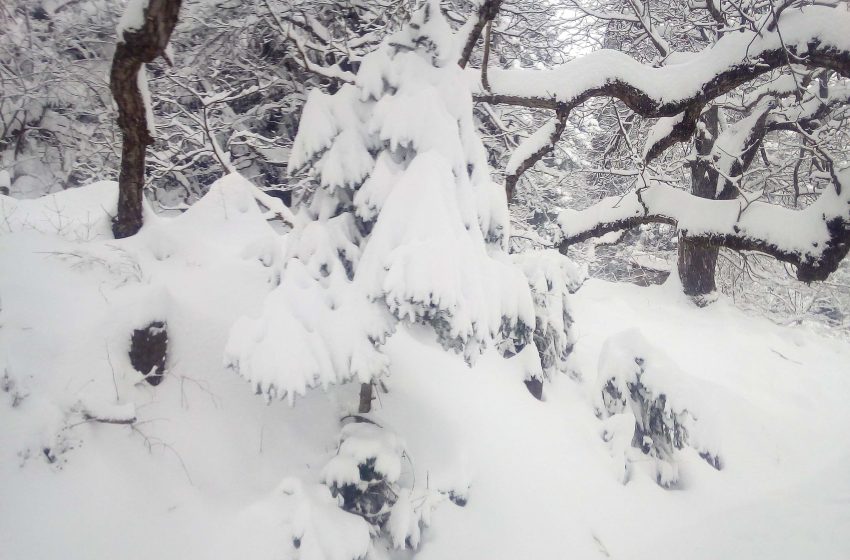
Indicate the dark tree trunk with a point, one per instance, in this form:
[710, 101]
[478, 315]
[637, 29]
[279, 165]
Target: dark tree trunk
[697, 260]
[365, 398]
[134, 48]
[696, 267]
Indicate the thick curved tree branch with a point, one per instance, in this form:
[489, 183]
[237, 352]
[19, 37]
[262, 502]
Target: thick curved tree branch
[814, 37]
[731, 155]
[815, 239]
[736, 148]
[143, 35]
[681, 129]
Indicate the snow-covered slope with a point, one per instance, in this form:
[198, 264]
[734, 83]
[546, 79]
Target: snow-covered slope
[208, 470]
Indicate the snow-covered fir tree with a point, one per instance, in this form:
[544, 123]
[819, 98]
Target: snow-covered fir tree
[404, 224]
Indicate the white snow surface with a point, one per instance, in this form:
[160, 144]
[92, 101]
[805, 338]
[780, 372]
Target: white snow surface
[142, 83]
[132, 19]
[208, 470]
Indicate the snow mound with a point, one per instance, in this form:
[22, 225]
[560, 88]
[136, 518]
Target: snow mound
[297, 521]
[81, 214]
[647, 399]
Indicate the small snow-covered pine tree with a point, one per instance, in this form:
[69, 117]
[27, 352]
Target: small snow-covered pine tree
[404, 224]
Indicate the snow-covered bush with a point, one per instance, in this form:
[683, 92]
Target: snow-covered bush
[365, 468]
[366, 477]
[404, 224]
[645, 398]
[552, 278]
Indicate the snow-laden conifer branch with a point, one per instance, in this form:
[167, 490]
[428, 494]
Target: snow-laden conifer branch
[404, 226]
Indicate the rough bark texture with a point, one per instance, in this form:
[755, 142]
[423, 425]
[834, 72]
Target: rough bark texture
[697, 259]
[134, 48]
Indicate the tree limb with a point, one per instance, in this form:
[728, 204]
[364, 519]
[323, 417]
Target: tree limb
[487, 12]
[814, 239]
[680, 89]
[534, 148]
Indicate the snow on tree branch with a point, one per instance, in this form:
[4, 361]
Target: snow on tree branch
[534, 148]
[814, 239]
[814, 37]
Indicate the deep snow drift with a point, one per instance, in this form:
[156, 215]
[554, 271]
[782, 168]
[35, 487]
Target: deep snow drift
[207, 469]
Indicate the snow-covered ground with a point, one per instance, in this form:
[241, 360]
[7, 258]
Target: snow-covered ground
[209, 470]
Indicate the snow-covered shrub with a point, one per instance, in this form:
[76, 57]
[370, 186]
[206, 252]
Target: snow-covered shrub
[364, 470]
[366, 477]
[65, 213]
[552, 277]
[403, 224]
[645, 398]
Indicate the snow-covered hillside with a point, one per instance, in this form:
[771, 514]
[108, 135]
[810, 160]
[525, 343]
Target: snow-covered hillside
[96, 463]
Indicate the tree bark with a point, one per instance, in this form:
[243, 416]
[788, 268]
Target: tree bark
[697, 263]
[697, 258]
[365, 398]
[136, 47]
